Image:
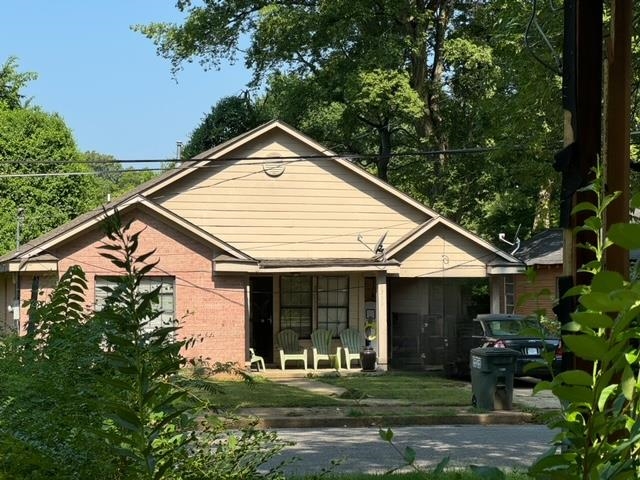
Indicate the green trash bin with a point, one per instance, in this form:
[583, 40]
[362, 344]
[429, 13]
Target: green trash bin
[492, 371]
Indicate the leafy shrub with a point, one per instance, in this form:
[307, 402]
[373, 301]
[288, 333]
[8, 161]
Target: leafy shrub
[599, 432]
[101, 396]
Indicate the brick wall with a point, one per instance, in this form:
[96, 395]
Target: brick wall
[210, 309]
[546, 278]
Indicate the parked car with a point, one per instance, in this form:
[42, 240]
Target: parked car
[521, 333]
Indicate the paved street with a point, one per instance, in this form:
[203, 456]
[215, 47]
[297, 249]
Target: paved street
[362, 450]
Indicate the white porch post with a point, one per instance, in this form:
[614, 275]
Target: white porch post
[381, 308]
[495, 292]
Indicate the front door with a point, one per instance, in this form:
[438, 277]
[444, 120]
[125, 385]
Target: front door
[261, 316]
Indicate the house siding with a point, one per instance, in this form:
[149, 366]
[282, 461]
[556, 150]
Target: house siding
[443, 253]
[212, 310]
[314, 209]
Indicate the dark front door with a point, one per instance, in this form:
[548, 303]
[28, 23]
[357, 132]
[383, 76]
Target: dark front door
[261, 316]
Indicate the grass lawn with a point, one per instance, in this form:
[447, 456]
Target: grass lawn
[418, 388]
[264, 393]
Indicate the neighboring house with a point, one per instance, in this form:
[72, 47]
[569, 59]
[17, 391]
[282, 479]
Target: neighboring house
[543, 254]
[271, 230]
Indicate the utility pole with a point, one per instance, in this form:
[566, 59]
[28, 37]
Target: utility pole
[581, 100]
[618, 126]
[15, 309]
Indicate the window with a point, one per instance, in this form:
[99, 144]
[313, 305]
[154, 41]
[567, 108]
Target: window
[509, 294]
[296, 304]
[333, 303]
[307, 303]
[166, 297]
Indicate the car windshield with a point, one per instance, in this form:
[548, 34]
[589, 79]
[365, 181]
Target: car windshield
[511, 327]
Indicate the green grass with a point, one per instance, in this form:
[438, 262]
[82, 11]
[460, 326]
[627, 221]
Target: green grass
[417, 388]
[264, 393]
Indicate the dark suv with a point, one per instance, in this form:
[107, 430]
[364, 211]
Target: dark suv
[524, 334]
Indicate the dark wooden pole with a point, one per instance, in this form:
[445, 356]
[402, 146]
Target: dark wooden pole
[588, 119]
[618, 126]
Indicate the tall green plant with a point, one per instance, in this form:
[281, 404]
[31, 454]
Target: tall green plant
[49, 394]
[82, 378]
[144, 360]
[599, 432]
[153, 420]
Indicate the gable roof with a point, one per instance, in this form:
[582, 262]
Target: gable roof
[39, 246]
[544, 248]
[139, 195]
[439, 220]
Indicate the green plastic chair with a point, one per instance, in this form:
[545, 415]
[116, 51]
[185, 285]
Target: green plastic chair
[321, 341]
[352, 343]
[289, 348]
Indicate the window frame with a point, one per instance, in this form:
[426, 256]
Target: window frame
[167, 318]
[319, 299]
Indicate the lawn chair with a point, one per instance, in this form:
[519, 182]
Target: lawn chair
[257, 359]
[352, 343]
[289, 348]
[321, 341]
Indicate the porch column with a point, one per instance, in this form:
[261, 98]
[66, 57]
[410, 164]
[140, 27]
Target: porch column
[495, 293]
[381, 307]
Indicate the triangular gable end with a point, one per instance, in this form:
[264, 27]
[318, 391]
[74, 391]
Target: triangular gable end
[74, 229]
[227, 148]
[441, 248]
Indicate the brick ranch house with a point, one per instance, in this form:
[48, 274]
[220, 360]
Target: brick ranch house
[271, 230]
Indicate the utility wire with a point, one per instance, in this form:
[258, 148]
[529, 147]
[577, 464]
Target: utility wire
[353, 156]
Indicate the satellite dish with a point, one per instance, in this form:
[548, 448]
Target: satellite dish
[379, 248]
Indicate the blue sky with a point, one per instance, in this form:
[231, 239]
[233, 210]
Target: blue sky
[105, 80]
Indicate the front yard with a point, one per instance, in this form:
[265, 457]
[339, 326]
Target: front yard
[417, 389]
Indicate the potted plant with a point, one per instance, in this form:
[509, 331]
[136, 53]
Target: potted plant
[368, 354]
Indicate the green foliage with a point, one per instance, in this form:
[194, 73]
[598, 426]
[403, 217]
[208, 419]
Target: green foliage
[598, 428]
[11, 84]
[408, 456]
[100, 395]
[32, 143]
[49, 395]
[147, 411]
[229, 117]
[111, 179]
[400, 77]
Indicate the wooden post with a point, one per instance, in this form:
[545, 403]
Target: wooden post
[618, 126]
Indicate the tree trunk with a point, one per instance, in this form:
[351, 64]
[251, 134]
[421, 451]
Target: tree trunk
[384, 133]
[542, 218]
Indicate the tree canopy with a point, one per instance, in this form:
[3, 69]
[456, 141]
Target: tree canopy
[229, 117]
[409, 81]
[44, 175]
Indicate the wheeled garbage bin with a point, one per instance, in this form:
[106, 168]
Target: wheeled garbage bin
[492, 371]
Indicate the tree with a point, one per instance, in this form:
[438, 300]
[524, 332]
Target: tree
[42, 174]
[111, 178]
[475, 75]
[229, 117]
[326, 42]
[11, 84]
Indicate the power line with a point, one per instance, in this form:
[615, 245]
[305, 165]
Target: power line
[353, 156]
[288, 159]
